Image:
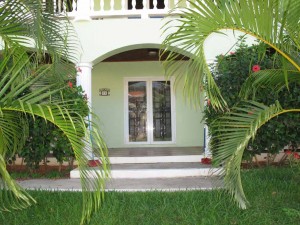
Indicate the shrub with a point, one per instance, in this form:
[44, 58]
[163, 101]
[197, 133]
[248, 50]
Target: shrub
[44, 138]
[38, 143]
[62, 149]
[230, 73]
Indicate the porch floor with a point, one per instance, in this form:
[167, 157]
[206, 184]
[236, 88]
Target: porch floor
[155, 155]
[145, 166]
[154, 151]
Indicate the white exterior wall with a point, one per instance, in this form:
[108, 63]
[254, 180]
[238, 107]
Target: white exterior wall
[188, 124]
[103, 38]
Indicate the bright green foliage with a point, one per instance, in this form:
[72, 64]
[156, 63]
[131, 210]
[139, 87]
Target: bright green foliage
[231, 71]
[31, 79]
[45, 138]
[274, 194]
[61, 147]
[273, 22]
[37, 144]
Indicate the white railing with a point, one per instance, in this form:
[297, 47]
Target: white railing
[101, 9]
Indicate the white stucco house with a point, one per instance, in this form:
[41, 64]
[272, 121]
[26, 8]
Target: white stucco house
[124, 80]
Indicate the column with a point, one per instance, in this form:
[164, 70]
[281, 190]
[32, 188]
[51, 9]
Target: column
[207, 151]
[84, 78]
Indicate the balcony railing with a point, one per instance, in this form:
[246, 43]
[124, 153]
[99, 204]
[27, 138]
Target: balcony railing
[101, 9]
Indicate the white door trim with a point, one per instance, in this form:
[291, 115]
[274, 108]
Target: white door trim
[149, 81]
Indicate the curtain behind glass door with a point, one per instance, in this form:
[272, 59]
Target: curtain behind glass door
[137, 111]
[162, 123]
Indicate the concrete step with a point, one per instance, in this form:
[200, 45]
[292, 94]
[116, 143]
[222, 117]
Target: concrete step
[155, 155]
[130, 185]
[155, 159]
[158, 162]
[154, 170]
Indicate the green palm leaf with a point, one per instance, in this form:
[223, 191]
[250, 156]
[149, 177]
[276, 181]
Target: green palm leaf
[254, 17]
[34, 65]
[73, 127]
[234, 131]
[274, 22]
[274, 79]
[27, 23]
[13, 133]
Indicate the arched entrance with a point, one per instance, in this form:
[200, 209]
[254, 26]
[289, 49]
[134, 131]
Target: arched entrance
[143, 109]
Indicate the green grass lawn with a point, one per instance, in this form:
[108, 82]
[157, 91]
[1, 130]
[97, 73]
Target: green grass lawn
[274, 194]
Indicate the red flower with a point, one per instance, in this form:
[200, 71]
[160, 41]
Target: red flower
[70, 84]
[79, 69]
[296, 155]
[288, 152]
[206, 160]
[231, 53]
[208, 102]
[94, 163]
[256, 68]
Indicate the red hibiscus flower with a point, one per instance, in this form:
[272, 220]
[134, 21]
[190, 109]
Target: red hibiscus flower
[206, 160]
[208, 102]
[288, 152]
[70, 84]
[296, 155]
[255, 68]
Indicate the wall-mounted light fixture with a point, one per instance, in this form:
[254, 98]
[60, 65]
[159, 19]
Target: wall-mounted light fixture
[152, 52]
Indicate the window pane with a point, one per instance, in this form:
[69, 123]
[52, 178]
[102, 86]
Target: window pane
[162, 129]
[137, 105]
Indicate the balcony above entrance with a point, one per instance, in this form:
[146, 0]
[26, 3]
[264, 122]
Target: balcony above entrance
[103, 9]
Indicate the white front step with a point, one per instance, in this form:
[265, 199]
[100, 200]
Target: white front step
[157, 170]
[139, 163]
[160, 173]
[156, 159]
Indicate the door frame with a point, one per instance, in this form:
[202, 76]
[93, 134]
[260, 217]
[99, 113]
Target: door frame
[149, 81]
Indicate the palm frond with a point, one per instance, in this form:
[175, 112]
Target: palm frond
[29, 24]
[274, 79]
[13, 133]
[270, 21]
[82, 140]
[34, 64]
[12, 195]
[292, 27]
[233, 133]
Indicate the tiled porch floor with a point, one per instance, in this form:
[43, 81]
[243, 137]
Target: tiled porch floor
[154, 151]
[178, 165]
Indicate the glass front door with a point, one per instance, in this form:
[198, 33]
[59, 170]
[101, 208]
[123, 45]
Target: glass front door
[137, 111]
[149, 107]
[161, 111]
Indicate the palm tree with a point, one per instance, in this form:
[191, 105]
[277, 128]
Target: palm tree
[274, 22]
[37, 48]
